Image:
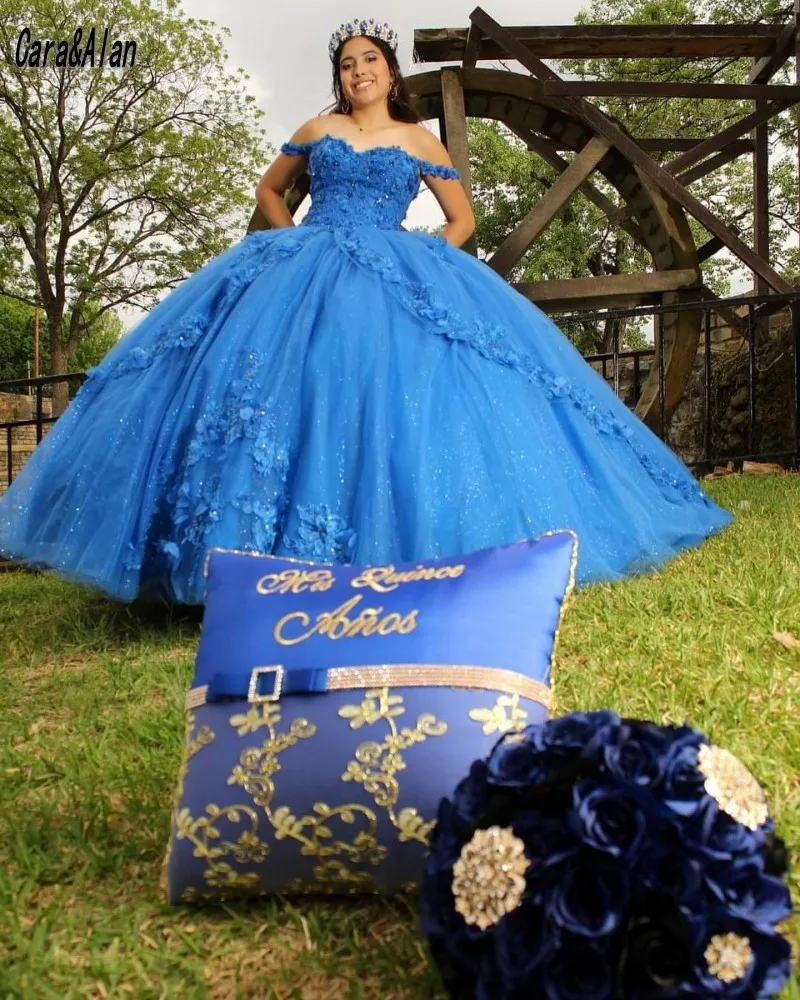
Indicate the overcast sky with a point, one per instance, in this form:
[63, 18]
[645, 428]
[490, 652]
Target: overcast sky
[284, 46]
[284, 49]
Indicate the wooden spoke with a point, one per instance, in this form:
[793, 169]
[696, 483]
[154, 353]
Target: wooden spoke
[455, 119]
[543, 212]
[735, 150]
[548, 151]
[472, 47]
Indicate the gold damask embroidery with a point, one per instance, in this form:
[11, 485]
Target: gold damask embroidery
[506, 716]
[193, 744]
[191, 748]
[203, 830]
[263, 714]
[204, 737]
[255, 772]
[376, 764]
[335, 882]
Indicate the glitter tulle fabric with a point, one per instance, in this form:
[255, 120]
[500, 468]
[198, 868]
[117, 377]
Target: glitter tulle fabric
[344, 391]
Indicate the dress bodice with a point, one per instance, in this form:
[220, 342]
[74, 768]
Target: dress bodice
[371, 187]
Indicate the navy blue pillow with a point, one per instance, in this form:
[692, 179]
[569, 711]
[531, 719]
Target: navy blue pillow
[334, 706]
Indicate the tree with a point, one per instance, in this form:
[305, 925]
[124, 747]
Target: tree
[104, 331]
[117, 182]
[16, 340]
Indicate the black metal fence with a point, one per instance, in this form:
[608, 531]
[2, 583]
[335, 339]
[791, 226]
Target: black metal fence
[752, 318]
[751, 315]
[40, 389]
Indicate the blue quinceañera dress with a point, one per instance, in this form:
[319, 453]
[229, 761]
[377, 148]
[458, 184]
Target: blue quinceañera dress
[344, 391]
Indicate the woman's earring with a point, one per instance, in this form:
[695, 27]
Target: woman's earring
[393, 92]
[346, 106]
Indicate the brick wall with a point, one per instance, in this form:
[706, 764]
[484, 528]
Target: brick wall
[23, 439]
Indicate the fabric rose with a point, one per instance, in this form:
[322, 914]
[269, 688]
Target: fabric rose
[594, 863]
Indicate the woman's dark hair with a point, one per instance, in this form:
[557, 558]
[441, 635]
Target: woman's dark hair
[400, 106]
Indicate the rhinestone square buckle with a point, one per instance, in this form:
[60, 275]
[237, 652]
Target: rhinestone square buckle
[257, 697]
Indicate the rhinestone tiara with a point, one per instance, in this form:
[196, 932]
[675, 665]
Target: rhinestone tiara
[356, 27]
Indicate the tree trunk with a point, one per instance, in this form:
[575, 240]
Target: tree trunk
[59, 360]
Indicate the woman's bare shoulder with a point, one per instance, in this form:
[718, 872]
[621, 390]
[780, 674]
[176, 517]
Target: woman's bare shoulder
[424, 144]
[315, 128]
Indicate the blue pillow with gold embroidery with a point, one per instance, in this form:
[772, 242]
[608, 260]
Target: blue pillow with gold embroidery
[334, 706]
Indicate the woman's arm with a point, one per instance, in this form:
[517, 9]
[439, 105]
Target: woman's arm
[280, 176]
[449, 193]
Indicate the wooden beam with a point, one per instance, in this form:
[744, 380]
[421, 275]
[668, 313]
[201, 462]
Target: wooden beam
[767, 66]
[731, 317]
[634, 41]
[657, 89]
[721, 140]
[548, 206]
[761, 200]
[669, 145]
[797, 71]
[455, 119]
[513, 47]
[609, 292]
[735, 150]
[604, 127]
[549, 152]
[472, 47]
[709, 249]
[715, 244]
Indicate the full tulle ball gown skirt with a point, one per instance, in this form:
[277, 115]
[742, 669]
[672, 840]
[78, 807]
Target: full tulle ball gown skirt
[344, 391]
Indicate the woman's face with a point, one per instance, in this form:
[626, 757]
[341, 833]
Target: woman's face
[364, 72]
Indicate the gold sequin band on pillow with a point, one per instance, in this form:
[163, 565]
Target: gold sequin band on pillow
[395, 675]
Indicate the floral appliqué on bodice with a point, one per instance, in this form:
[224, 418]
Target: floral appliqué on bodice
[370, 187]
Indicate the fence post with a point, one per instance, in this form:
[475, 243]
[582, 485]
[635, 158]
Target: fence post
[38, 412]
[794, 306]
[707, 383]
[662, 386]
[752, 327]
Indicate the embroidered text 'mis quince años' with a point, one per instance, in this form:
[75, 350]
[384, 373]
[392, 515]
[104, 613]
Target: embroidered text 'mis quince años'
[34, 54]
[382, 579]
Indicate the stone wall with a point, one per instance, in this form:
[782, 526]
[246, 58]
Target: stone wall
[23, 439]
[730, 396]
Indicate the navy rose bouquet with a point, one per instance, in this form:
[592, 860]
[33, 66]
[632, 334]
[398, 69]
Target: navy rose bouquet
[598, 858]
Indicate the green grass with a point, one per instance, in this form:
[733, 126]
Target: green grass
[91, 730]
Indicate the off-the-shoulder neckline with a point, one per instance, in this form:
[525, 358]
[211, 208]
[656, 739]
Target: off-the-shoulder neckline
[370, 149]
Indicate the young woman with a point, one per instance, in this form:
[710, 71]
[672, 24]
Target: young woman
[346, 391]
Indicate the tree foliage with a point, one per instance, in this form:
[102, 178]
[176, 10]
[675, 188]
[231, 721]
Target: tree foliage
[17, 341]
[118, 182]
